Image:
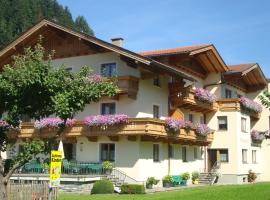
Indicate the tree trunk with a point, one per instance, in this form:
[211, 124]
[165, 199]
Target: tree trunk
[3, 182]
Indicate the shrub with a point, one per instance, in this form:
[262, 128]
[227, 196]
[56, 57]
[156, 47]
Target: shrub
[195, 176]
[152, 181]
[185, 176]
[167, 179]
[102, 187]
[107, 165]
[132, 189]
[251, 176]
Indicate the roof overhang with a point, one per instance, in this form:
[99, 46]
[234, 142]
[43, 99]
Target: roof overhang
[34, 31]
[251, 76]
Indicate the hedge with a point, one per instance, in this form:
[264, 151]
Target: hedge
[132, 189]
[102, 187]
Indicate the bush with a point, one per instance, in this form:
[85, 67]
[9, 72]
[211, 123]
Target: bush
[251, 176]
[152, 181]
[185, 176]
[167, 179]
[195, 176]
[107, 165]
[132, 189]
[102, 187]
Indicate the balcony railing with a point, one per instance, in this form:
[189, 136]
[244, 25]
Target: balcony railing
[185, 97]
[146, 128]
[234, 104]
[128, 85]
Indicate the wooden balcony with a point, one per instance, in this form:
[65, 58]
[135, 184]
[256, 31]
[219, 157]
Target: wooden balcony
[128, 85]
[234, 104]
[147, 129]
[185, 98]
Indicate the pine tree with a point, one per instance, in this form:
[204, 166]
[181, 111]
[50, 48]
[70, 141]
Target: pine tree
[16, 16]
[82, 25]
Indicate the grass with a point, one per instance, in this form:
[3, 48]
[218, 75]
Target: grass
[259, 191]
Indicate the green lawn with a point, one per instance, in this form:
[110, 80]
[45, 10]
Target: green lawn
[260, 191]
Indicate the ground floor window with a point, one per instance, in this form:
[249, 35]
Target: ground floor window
[107, 152]
[184, 154]
[224, 155]
[195, 153]
[244, 156]
[171, 151]
[254, 156]
[156, 152]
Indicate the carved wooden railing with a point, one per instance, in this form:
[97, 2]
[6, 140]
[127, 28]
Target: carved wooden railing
[147, 128]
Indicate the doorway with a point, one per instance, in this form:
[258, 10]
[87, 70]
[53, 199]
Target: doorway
[212, 158]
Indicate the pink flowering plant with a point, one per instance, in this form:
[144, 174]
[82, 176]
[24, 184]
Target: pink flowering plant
[205, 95]
[257, 136]
[203, 130]
[53, 123]
[94, 79]
[174, 125]
[105, 120]
[250, 105]
[4, 125]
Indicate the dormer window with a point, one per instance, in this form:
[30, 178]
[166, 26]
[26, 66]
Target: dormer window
[108, 70]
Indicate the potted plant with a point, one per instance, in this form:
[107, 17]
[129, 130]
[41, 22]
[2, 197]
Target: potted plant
[150, 182]
[185, 176]
[195, 177]
[251, 176]
[167, 181]
[107, 166]
[46, 168]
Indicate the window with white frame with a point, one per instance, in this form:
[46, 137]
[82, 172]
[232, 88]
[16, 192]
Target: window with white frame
[195, 153]
[184, 154]
[108, 108]
[156, 111]
[228, 93]
[156, 152]
[107, 152]
[222, 123]
[254, 156]
[171, 151]
[244, 156]
[108, 70]
[243, 124]
[224, 155]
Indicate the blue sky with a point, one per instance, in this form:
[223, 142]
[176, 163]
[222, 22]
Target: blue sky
[240, 29]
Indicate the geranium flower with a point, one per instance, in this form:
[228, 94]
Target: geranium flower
[52, 122]
[205, 95]
[250, 104]
[105, 120]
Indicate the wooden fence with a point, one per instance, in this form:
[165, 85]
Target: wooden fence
[30, 190]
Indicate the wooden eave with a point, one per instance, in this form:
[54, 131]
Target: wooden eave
[252, 78]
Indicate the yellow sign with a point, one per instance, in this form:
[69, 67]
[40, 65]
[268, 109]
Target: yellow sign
[55, 169]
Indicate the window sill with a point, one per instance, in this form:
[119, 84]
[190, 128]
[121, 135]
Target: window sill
[244, 162]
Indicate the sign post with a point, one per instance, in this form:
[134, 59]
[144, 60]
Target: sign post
[55, 170]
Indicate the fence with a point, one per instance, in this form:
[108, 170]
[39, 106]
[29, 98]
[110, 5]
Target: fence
[30, 190]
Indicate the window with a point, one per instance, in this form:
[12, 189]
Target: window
[171, 151]
[156, 152]
[228, 94]
[107, 152]
[108, 70]
[224, 156]
[190, 117]
[203, 119]
[184, 154]
[68, 69]
[108, 108]
[222, 123]
[254, 156]
[244, 124]
[195, 153]
[156, 113]
[244, 156]
[156, 81]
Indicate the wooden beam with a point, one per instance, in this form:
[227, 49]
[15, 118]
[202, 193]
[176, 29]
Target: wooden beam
[131, 138]
[114, 138]
[92, 138]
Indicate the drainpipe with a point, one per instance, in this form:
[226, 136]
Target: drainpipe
[169, 160]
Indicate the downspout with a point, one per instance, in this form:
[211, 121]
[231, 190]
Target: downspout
[169, 160]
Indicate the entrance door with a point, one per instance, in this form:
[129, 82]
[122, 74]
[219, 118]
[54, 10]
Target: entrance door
[212, 158]
[68, 151]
